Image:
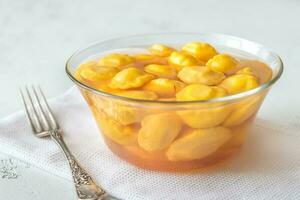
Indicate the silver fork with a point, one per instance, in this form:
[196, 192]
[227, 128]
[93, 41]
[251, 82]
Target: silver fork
[43, 124]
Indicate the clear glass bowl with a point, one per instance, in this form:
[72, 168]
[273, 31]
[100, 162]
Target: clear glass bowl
[178, 136]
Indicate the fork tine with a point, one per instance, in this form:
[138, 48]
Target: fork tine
[45, 121]
[34, 113]
[54, 123]
[27, 112]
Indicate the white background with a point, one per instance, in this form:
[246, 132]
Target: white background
[37, 36]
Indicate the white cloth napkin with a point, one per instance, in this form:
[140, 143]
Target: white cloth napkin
[268, 167]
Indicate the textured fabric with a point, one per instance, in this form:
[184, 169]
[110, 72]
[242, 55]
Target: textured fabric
[268, 167]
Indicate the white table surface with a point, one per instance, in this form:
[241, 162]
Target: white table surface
[36, 37]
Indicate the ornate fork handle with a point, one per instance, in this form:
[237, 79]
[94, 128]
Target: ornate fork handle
[85, 187]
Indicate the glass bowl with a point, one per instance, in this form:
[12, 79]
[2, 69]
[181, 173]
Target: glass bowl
[170, 135]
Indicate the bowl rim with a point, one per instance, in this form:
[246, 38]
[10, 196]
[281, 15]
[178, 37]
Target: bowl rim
[213, 100]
